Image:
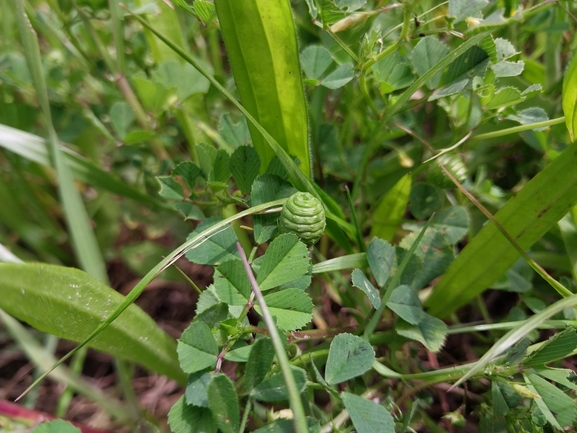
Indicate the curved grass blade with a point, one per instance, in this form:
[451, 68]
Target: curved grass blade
[43, 359]
[152, 274]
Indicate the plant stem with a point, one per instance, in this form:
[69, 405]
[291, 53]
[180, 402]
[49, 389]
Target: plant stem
[520, 128]
[245, 415]
[299, 420]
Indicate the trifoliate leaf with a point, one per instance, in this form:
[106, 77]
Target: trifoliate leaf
[349, 356]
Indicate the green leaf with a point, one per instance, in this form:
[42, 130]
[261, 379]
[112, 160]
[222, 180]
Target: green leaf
[428, 52]
[390, 210]
[561, 376]
[530, 115]
[568, 230]
[205, 10]
[213, 315]
[239, 355]
[570, 97]
[154, 96]
[262, 47]
[235, 134]
[259, 362]
[557, 347]
[527, 217]
[505, 49]
[221, 167]
[223, 403]
[138, 136]
[121, 117]
[451, 89]
[217, 249]
[381, 257]
[430, 331]
[500, 407]
[360, 281]
[189, 210]
[503, 98]
[424, 199]
[392, 73]
[350, 5]
[517, 353]
[504, 398]
[558, 407]
[197, 348]
[315, 60]
[339, 77]
[432, 258]
[291, 307]
[349, 356]
[183, 77]
[196, 392]
[508, 69]
[274, 388]
[58, 426]
[233, 273]
[264, 189]
[186, 418]
[402, 100]
[472, 63]
[170, 188]
[452, 223]
[69, 303]
[189, 172]
[285, 260]
[206, 156]
[532, 90]
[461, 9]
[244, 166]
[368, 416]
[405, 302]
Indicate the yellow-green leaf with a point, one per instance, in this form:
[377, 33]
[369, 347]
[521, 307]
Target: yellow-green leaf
[570, 97]
[262, 47]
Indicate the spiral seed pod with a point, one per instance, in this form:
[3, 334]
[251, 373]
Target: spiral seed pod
[454, 165]
[304, 215]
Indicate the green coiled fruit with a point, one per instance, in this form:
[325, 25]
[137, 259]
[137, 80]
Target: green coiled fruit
[304, 215]
[454, 164]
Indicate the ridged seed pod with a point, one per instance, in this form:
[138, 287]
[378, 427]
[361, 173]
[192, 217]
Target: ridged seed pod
[454, 164]
[304, 215]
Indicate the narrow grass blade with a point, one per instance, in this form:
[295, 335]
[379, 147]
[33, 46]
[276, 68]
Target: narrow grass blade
[296, 405]
[516, 334]
[33, 148]
[526, 217]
